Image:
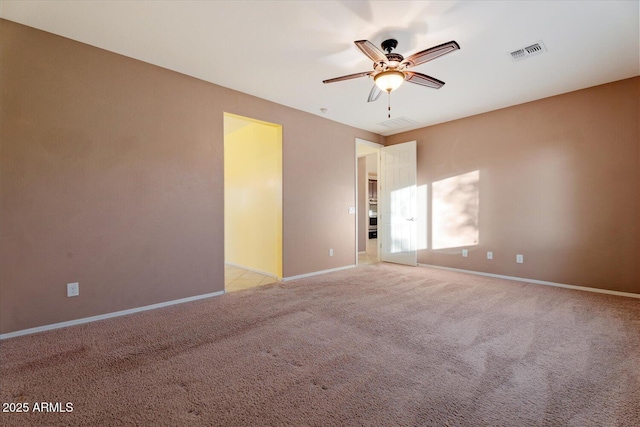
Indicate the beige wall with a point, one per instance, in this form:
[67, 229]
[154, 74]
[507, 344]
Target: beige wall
[559, 182]
[111, 174]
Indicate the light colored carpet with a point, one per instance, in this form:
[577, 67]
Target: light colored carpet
[374, 345]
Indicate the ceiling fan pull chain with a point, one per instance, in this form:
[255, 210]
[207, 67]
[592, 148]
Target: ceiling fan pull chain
[389, 105]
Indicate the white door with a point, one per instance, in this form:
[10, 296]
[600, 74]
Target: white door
[397, 206]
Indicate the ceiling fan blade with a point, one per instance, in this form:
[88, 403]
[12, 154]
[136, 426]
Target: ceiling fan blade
[374, 94]
[348, 77]
[423, 80]
[429, 54]
[369, 49]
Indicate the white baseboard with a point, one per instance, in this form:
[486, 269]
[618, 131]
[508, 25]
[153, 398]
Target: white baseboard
[255, 270]
[106, 316]
[537, 282]
[315, 273]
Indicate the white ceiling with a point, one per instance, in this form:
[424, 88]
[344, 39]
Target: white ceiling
[282, 50]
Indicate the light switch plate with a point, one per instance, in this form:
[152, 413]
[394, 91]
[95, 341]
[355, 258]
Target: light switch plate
[465, 253]
[73, 289]
[352, 210]
[489, 255]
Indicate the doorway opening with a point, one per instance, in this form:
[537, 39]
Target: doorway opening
[367, 186]
[252, 202]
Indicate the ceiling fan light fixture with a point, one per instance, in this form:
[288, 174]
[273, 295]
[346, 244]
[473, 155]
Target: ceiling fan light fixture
[389, 80]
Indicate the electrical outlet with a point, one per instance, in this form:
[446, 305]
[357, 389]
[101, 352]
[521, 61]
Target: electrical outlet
[519, 258]
[73, 289]
[330, 252]
[465, 253]
[489, 255]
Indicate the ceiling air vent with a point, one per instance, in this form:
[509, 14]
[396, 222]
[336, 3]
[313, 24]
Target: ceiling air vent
[528, 51]
[398, 123]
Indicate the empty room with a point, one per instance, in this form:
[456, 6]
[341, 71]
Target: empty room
[331, 213]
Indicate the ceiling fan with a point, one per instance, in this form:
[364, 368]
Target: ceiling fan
[391, 69]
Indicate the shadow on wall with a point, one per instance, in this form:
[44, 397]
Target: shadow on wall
[452, 205]
[455, 205]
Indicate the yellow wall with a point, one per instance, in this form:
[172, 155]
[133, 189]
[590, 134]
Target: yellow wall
[253, 194]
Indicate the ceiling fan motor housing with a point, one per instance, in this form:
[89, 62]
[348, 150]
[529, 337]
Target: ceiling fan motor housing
[394, 57]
